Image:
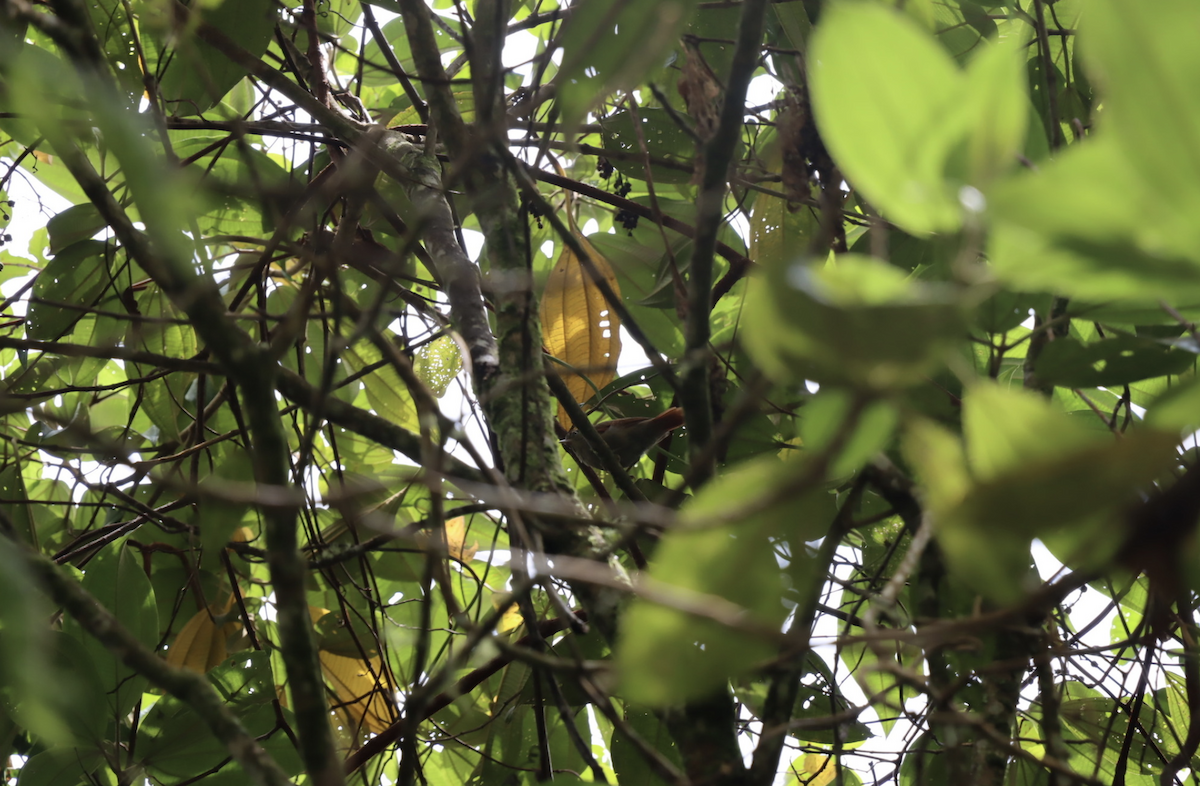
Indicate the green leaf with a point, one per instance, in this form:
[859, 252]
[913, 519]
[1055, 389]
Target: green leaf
[438, 363]
[663, 138]
[1147, 63]
[1113, 218]
[610, 45]
[855, 320]
[387, 393]
[1005, 311]
[788, 27]
[115, 33]
[61, 767]
[174, 743]
[195, 75]
[817, 698]
[1115, 361]
[164, 197]
[28, 688]
[117, 579]
[1033, 472]
[66, 287]
[825, 417]
[925, 762]
[14, 494]
[874, 669]
[638, 270]
[1178, 408]
[779, 236]
[1090, 226]
[997, 108]
[873, 68]
[628, 760]
[1006, 428]
[666, 655]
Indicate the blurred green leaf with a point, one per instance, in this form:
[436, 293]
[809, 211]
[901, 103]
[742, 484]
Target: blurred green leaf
[872, 68]
[1147, 68]
[609, 45]
[827, 416]
[856, 319]
[666, 655]
[1029, 471]
[1114, 361]
[194, 76]
[29, 688]
[67, 287]
[1089, 225]
[61, 767]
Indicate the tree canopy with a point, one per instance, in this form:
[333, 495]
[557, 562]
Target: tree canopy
[324, 321]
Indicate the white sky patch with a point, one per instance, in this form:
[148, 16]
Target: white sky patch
[762, 90]
[267, 610]
[474, 241]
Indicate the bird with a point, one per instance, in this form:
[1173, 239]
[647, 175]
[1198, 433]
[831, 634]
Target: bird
[628, 438]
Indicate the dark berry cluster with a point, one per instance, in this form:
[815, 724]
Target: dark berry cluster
[627, 219]
[5, 237]
[532, 210]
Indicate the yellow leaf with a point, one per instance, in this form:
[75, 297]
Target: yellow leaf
[511, 619]
[815, 770]
[456, 540]
[578, 327]
[242, 535]
[361, 697]
[201, 645]
[359, 692]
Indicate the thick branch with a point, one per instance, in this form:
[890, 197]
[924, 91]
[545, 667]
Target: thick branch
[460, 277]
[695, 395]
[418, 24]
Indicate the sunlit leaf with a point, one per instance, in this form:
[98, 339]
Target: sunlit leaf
[1029, 471]
[578, 326]
[201, 643]
[873, 68]
[388, 395]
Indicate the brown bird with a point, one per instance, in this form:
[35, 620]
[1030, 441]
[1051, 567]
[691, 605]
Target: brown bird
[628, 438]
